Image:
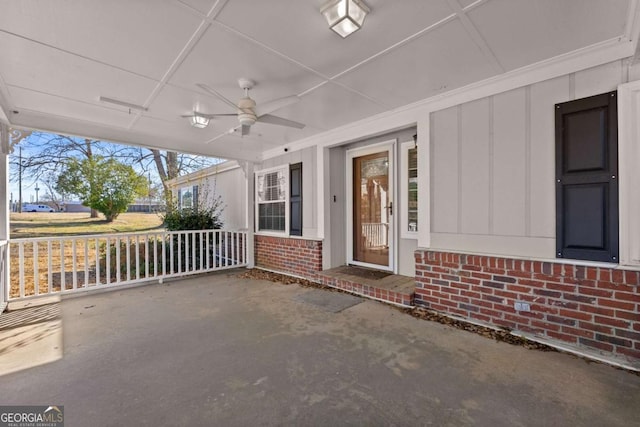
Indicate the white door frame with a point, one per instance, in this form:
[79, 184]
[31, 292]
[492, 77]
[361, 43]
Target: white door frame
[390, 147]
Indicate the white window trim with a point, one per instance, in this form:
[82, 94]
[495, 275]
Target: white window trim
[285, 172]
[404, 192]
[180, 201]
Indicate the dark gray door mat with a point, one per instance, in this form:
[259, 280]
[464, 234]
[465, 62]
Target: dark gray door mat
[333, 302]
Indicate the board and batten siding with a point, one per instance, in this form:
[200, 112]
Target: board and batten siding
[493, 166]
[307, 157]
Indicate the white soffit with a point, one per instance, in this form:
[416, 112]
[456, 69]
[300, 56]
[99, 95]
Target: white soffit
[522, 32]
[58, 58]
[35, 67]
[221, 57]
[305, 39]
[317, 107]
[442, 59]
[115, 32]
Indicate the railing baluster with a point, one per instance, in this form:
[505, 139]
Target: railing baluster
[86, 262]
[21, 259]
[107, 263]
[75, 263]
[146, 257]
[193, 251]
[118, 261]
[200, 250]
[180, 234]
[207, 249]
[128, 249]
[50, 266]
[97, 262]
[63, 276]
[155, 255]
[172, 261]
[137, 242]
[36, 279]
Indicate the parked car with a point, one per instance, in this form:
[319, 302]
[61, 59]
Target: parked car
[37, 208]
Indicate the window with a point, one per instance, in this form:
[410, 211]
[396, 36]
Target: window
[271, 197]
[409, 190]
[279, 200]
[188, 197]
[586, 178]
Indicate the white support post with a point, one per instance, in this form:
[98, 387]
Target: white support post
[424, 179]
[249, 214]
[5, 148]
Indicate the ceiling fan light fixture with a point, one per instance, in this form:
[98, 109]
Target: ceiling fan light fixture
[246, 111]
[345, 16]
[198, 121]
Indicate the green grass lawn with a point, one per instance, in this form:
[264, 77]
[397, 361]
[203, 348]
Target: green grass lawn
[42, 224]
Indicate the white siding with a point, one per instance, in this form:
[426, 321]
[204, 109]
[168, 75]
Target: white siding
[230, 187]
[475, 198]
[445, 167]
[226, 181]
[493, 164]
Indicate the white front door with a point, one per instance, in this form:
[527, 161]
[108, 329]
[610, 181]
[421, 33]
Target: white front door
[370, 207]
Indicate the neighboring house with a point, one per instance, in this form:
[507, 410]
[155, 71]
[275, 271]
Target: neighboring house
[225, 181]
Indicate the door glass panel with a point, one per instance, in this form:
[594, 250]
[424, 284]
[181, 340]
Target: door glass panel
[372, 209]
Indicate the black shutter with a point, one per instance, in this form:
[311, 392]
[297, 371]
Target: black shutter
[194, 198]
[295, 199]
[587, 178]
[179, 199]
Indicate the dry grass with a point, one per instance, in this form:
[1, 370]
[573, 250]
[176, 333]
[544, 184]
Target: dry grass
[58, 224]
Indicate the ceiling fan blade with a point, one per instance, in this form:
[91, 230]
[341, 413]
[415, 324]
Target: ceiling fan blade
[217, 94]
[276, 104]
[245, 130]
[275, 120]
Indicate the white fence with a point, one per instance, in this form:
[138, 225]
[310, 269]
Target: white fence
[44, 266]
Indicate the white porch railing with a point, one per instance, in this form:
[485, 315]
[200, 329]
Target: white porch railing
[4, 276]
[376, 234]
[45, 266]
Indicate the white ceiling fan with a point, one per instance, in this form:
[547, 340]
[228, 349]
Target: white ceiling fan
[248, 112]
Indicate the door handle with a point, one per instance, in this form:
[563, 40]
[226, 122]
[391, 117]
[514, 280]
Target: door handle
[389, 207]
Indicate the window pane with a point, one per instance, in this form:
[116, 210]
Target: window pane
[412, 189]
[271, 216]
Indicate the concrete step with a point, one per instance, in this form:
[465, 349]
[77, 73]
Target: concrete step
[379, 285]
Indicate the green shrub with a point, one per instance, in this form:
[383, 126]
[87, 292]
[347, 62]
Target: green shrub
[193, 219]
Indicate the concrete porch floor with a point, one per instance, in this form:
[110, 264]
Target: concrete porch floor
[221, 350]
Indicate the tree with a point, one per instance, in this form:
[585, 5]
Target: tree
[45, 153]
[102, 184]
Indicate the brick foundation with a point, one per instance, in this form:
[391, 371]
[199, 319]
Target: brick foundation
[300, 257]
[594, 308]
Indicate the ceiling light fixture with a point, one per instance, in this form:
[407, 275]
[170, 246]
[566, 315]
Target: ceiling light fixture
[198, 121]
[345, 16]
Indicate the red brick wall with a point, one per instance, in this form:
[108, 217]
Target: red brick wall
[595, 308]
[300, 257]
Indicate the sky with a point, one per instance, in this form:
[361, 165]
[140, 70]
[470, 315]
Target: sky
[33, 145]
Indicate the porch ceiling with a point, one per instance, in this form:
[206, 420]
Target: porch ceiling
[58, 58]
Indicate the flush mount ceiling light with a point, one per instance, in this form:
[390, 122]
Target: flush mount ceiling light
[345, 16]
[199, 122]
